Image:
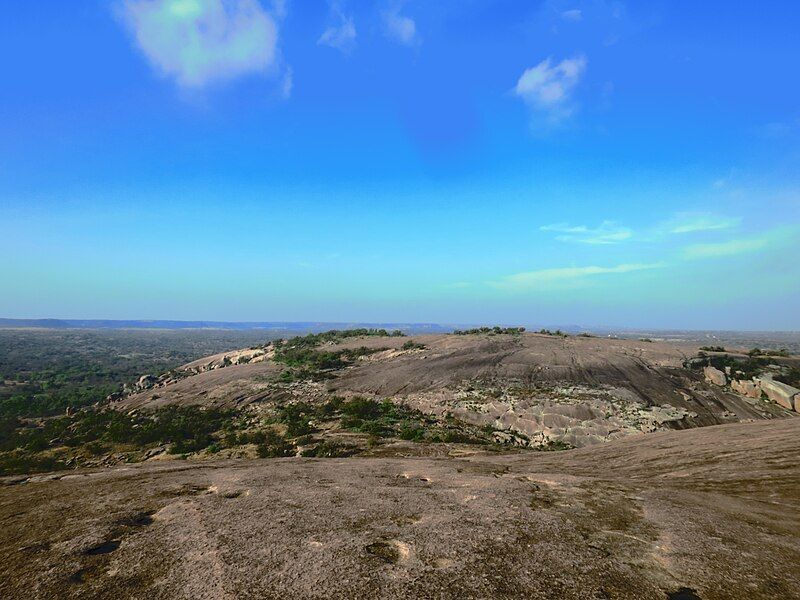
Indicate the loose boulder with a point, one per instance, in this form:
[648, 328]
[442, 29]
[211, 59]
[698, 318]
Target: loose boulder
[778, 392]
[146, 381]
[746, 387]
[715, 376]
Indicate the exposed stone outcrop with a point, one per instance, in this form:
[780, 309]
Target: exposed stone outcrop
[715, 376]
[746, 387]
[146, 381]
[778, 392]
[237, 357]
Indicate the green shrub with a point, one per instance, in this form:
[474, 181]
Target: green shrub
[274, 446]
[330, 449]
[297, 418]
[412, 345]
[17, 463]
[556, 333]
[490, 330]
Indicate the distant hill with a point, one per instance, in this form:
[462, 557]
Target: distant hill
[302, 326]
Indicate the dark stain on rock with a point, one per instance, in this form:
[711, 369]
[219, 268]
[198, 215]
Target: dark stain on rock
[140, 519]
[683, 593]
[104, 548]
[384, 551]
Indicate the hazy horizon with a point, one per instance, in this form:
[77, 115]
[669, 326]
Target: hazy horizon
[320, 325]
[604, 163]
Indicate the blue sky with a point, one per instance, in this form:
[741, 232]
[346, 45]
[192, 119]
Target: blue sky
[486, 161]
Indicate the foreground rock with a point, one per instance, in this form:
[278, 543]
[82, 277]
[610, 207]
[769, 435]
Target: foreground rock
[715, 510]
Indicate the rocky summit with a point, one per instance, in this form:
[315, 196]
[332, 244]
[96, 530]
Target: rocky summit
[539, 388]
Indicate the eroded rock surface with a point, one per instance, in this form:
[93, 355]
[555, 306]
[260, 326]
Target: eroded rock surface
[714, 510]
[540, 389]
[778, 392]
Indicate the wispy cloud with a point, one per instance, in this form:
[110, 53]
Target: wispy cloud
[778, 129]
[702, 221]
[341, 36]
[199, 42]
[729, 248]
[608, 232]
[779, 237]
[287, 85]
[399, 27]
[547, 88]
[565, 276]
[572, 15]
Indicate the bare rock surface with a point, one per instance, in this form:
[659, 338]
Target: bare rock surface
[715, 376]
[714, 510]
[778, 392]
[577, 390]
[745, 387]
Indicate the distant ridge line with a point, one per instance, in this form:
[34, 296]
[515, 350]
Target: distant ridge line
[232, 325]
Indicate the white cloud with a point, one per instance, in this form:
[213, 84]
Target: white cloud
[608, 232]
[702, 221]
[287, 84]
[778, 129]
[560, 277]
[547, 88]
[730, 248]
[572, 15]
[398, 27]
[199, 42]
[777, 238]
[341, 36]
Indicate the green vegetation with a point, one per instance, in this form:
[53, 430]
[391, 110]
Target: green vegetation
[557, 332]
[384, 419]
[586, 335]
[302, 353]
[491, 331]
[760, 352]
[713, 348]
[44, 373]
[556, 446]
[331, 449]
[412, 345]
[335, 336]
[188, 428]
[53, 414]
[792, 377]
[94, 432]
[319, 360]
[742, 368]
[754, 365]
